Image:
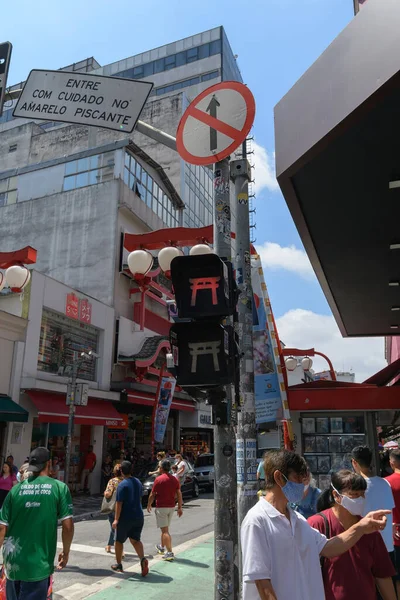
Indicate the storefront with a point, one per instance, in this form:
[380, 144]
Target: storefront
[197, 432]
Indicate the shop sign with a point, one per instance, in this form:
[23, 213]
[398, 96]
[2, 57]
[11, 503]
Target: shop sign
[80, 310]
[72, 306]
[112, 423]
[164, 401]
[205, 419]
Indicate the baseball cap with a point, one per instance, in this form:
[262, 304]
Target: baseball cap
[38, 458]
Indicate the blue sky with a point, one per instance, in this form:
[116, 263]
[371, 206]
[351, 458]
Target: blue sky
[276, 41]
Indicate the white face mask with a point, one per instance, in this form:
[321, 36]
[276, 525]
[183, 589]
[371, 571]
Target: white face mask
[355, 506]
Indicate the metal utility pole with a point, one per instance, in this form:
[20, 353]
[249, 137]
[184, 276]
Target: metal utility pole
[225, 506]
[71, 417]
[246, 440]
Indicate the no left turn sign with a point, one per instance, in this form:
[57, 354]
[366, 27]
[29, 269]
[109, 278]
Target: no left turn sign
[215, 123]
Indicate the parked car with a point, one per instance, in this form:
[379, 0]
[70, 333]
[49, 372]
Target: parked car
[190, 487]
[204, 470]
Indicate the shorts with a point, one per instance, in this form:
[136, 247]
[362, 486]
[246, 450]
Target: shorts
[27, 590]
[164, 516]
[131, 529]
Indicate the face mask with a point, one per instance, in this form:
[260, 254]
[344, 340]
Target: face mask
[293, 491]
[355, 506]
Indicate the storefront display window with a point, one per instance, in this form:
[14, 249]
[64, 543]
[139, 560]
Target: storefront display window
[328, 442]
[60, 338]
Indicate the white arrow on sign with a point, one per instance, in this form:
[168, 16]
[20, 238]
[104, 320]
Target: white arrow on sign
[82, 98]
[215, 123]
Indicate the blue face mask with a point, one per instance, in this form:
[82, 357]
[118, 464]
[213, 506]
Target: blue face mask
[293, 491]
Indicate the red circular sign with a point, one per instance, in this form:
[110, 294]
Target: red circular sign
[223, 148]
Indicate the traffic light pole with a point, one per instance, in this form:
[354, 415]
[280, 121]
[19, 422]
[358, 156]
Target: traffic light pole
[246, 440]
[226, 547]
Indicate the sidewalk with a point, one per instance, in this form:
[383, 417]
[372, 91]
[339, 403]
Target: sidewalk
[191, 574]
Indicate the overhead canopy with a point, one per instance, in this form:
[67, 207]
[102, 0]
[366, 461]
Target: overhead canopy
[337, 137]
[52, 408]
[146, 399]
[386, 375]
[11, 411]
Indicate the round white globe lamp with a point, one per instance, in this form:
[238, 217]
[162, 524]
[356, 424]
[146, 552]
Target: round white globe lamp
[306, 363]
[17, 277]
[291, 363]
[200, 249]
[166, 256]
[140, 263]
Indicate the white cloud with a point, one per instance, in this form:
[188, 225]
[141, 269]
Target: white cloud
[289, 258]
[264, 169]
[305, 329]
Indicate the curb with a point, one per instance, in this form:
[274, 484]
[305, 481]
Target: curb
[87, 516]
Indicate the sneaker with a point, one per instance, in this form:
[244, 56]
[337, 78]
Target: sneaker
[160, 549]
[117, 568]
[144, 563]
[169, 556]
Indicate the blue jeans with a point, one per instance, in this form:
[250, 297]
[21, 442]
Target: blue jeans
[27, 590]
[111, 518]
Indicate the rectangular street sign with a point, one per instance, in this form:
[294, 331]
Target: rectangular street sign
[84, 99]
[5, 56]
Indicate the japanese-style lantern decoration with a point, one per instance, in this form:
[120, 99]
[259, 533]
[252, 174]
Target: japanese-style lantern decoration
[200, 249]
[17, 277]
[166, 256]
[291, 363]
[140, 263]
[306, 363]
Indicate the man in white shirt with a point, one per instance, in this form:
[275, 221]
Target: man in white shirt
[280, 551]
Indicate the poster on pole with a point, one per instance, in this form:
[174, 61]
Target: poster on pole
[266, 385]
[164, 401]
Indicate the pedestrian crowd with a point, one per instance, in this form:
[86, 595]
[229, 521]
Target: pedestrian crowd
[338, 544]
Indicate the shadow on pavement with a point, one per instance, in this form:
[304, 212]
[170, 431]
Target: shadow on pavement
[152, 577]
[191, 563]
[90, 572]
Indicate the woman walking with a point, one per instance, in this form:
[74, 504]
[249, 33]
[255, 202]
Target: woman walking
[367, 565]
[7, 481]
[110, 489]
[160, 458]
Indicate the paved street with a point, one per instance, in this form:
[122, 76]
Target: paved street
[89, 564]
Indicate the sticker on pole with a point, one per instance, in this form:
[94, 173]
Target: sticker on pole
[215, 123]
[83, 98]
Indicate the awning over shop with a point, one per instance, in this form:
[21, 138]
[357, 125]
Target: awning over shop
[52, 408]
[339, 395]
[146, 399]
[11, 411]
[386, 375]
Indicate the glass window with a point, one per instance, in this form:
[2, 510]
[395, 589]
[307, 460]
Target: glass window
[82, 179]
[140, 190]
[149, 198]
[3, 185]
[194, 81]
[144, 177]
[69, 183]
[155, 202]
[192, 55]
[95, 161]
[204, 51]
[160, 91]
[83, 164]
[180, 59]
[160, 195]
[3, 198]
[159, 65]
[94, 176]
[170, 62]
[159, 210]
[150, 183]
[138, 71]
[70, 167]
[138, 170]
[215, 47]
[127, 160]
[155, 189]
[148, 69]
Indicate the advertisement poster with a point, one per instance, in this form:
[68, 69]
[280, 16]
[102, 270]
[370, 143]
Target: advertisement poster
[267, 391]
[164, 402]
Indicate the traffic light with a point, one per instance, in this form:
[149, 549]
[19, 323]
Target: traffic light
[5, 56]
[203, 349]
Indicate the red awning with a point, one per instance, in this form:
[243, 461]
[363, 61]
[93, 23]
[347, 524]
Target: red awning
[146, 399]
[52, 408]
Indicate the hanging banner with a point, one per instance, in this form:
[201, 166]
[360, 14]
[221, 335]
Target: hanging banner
[266, 383]
[164, 401]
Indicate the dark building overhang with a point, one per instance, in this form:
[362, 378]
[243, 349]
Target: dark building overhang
[337, 155]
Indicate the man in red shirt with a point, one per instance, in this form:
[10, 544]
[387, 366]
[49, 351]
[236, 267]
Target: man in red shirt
[88, 467]
[166, 490]
[394, 481]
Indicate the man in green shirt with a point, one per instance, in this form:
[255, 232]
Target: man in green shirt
[28, 530]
